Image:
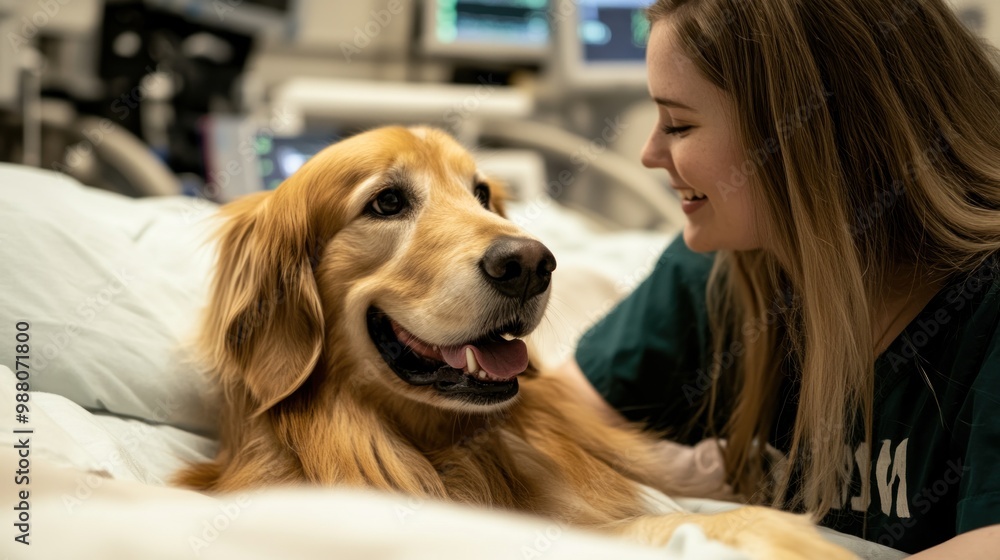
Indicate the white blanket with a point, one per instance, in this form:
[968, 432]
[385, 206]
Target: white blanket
[96, 485]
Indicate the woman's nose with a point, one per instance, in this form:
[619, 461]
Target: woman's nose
[656, 154]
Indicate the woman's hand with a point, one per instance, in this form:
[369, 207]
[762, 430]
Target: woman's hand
[699, 469]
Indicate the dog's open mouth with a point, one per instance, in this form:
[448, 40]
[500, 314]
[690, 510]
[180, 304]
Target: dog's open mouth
[482, 371]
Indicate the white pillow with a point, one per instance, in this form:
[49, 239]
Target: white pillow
[111, 287]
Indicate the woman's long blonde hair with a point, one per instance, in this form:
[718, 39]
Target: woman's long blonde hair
[872, 140]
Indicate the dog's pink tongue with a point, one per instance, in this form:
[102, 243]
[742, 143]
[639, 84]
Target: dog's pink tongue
[504, 358]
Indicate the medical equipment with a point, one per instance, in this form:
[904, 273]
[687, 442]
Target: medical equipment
[511, 30]
[270, 18]
[602, 44]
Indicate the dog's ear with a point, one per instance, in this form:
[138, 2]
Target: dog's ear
[263, 332]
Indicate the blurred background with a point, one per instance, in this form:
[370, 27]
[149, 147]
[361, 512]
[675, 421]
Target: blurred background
[218, 98]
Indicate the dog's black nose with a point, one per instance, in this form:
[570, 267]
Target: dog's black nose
[518, 267]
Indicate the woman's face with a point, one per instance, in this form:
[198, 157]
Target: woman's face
[695, 142]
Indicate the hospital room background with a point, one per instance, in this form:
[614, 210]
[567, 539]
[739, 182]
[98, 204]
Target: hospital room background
[123, 126]
[214, 99]
[156, 97]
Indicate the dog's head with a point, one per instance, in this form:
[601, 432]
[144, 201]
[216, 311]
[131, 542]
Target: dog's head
[386, 258]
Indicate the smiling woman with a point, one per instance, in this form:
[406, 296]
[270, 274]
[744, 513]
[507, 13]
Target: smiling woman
[697, 145]
[839, 163]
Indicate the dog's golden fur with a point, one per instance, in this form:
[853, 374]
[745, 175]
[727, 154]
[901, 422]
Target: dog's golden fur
[307, 397]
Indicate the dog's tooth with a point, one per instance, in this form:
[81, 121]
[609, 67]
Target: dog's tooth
[482, 374]
[470, 360]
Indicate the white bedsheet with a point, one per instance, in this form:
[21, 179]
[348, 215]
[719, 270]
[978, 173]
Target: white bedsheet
[97, 490]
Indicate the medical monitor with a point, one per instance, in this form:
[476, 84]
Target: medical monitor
[602, 43]
[495, 30]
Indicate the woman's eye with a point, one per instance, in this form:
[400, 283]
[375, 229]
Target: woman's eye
[388, 203]
[482, 192]
[667, 129]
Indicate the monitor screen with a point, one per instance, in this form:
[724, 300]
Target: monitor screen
[242, 157]
[602, 43]
[613, 30]
[263, 17]
[279, 157]
[487, 28]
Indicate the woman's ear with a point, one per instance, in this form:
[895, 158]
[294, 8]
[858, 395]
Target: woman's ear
[264, 326]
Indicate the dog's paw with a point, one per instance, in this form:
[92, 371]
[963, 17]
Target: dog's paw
[765, 533]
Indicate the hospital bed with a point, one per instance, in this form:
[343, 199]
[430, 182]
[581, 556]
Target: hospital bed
[111, 289]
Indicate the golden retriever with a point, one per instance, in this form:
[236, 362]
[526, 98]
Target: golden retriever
[363, 326]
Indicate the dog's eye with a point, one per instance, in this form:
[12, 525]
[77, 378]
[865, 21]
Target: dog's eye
[482, 192]
[388, 203]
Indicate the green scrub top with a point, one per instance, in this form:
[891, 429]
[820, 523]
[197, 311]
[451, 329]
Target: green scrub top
[934, 468]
